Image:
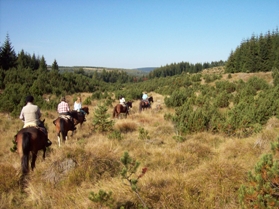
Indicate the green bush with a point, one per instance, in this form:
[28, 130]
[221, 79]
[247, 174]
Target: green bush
[101, 120]
[222, 99]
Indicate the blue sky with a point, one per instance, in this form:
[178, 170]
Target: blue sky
[133, 33]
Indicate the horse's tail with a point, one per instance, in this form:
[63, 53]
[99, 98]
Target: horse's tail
[26, 142]
[114, 110]
[62, 129]
[140, 107]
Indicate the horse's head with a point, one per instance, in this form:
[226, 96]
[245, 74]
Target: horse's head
[85, 109]
[42, 123]
[129, 104]
[150, 99]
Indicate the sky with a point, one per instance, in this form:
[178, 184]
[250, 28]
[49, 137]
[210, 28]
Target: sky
[133, 33]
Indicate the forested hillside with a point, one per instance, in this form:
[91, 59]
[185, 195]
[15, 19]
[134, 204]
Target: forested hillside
[257, 54]
[182, 67]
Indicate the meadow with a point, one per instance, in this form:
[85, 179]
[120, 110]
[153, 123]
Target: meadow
[203, 171]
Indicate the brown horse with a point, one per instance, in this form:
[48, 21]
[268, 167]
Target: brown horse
[64, 124]
[80, 116]
[119, 108]
[144, 105]
[30, 139]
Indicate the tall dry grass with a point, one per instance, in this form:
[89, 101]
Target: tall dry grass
[204, 171]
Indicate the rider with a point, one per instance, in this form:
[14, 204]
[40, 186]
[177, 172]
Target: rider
[122, 101]
[145, 97]
[64, 109]
[77, 107]
[31, 114]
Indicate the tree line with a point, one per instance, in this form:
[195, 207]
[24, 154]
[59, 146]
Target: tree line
[259, 53]
[186, 67]
[22, 74]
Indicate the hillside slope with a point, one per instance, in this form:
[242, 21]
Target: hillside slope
[203, 171]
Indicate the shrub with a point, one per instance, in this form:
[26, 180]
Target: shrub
[101, 119]
[102, 197]
[143, 134]
[222, 100]
[262, 190]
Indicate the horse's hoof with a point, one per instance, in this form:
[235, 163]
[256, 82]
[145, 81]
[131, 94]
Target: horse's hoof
[48, 143]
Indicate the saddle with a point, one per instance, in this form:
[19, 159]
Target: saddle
[146, 103]
[67, 117]
[42, 129]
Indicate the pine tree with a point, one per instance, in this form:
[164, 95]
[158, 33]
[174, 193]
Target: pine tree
[35, 63]
[7, 56]
[275, 49]
[263, 53]
[262, 190]
[55, 66]
[43, 65]
[23, 60]
[101, 120]
[254, 55]
[230, 66]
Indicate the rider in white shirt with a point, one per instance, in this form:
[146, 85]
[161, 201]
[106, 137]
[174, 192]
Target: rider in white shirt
[122, 101]
[145, 97]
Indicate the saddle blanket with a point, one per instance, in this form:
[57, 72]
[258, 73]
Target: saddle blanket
[67, 117]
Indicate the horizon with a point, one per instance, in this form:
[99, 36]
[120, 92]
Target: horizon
[133, 35]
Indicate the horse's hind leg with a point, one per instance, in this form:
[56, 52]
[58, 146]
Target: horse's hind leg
[44, 153]
[59, 140]
[34, 157]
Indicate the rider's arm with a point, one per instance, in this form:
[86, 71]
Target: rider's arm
[39, 113]
[21, 116]
[67, 107]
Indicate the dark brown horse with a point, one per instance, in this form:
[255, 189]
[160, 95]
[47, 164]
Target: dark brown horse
[80, 116]
[144, 104]
[63, 124]
[119, 108]
[30, 139]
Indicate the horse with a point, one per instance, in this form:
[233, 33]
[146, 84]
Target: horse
[30, 139]
[63, 125]
[144, 105]
[119, 108]
[80, 116]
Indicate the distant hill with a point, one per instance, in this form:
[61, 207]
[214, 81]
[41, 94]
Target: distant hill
[134, 72]
[146, 69]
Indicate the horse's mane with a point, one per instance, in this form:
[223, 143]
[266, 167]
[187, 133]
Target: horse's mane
[74, 114]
